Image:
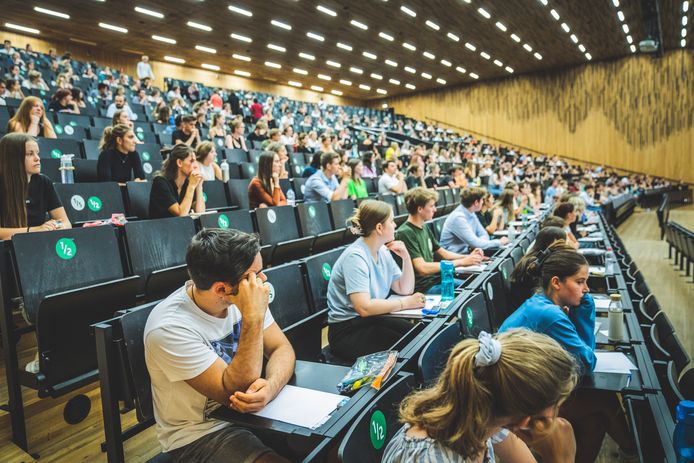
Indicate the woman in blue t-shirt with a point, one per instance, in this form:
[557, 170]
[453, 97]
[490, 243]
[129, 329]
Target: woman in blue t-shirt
[360, 282]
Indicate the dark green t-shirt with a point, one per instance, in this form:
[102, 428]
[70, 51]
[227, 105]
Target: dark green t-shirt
[420, 242]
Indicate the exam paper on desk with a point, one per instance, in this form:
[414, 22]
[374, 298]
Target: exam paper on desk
[613, 362]
[301, 406]
[433, 302]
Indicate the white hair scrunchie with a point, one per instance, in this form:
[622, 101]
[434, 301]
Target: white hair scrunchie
[490, 350]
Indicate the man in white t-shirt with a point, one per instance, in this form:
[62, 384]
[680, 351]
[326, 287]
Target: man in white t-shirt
[392, 180]
[204, 345]
[144, 69]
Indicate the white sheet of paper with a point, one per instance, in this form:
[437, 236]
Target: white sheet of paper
[590, 239]
[601, 303]
[470, 269]
[592, 251]
[300, 406]
[501, 233]
[613, 362]
[604, 332]
[433, 302]
[597, 270]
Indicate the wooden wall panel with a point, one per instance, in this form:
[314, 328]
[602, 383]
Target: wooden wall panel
[635, 114]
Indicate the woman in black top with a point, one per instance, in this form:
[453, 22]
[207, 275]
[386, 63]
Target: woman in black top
[118, 161]
[26, 196]
[177, 188]
[62, 102]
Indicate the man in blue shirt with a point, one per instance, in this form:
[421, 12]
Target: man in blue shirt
[323, 185]
[462, 230]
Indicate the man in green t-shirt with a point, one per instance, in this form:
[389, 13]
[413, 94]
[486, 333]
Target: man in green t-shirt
[423, 247]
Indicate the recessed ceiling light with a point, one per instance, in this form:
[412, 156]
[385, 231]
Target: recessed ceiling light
[240, 37]
[498, 63]
[384, 105]
[202, 27]
[515, 38]
[565, 27]
[461, 70]
[281, 24]
[446, 63]
[409, 69]
[359, 24]
[276, 47]
[620, 15]
[410, 86]
[509, 69]
[537, 56]
[345, 82]
[615, 3]
[684, 21]
[344, 46]
[240, 10]
[632, 48]
[152, 13]
[242, 73]
[307, 56]
[684, 33]
[326, 10]
[364, 87]
[386, 36]
[441, 81]
[484, 13]
[336, 92]
[588, 56]
[381, 91]
[314, 36]
[474, 76]
[241, 57]
[390, 62]
[544, 2]
[501, 26]
[57, 14]
[470, 46]
[17, 27]
[574, 39]
[334, 64]
[205, 49]
[629, 39]
[554, 14]
[426, 54]
[211, 67]
[409, 46]
[528, 47]
[173, 59]
[376, 76]
[408, 11]
[683, 43]
[685, 6]
[426, 75]
[485, 55]
[625, 28]
[368, 54]
[111, 27]
[160, 38]
[300, 71]
[432, 24]
[582, 48]
[324, 77]
[394, 81]
[317, 88]
[356, 70]
[453, 37]
[294, 83]
[270, 64]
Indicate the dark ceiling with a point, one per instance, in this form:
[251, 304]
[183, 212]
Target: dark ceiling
[595, 24]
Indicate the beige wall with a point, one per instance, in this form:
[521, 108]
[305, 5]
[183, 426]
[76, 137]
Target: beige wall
[128, 62]
[635, 114]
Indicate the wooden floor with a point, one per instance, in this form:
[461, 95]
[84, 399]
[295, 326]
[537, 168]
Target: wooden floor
[57, 441]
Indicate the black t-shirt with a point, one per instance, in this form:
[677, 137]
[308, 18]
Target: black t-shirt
[180, 135]
[485, 217]
[430, 182]
[57, 107]
[164, 195]
[41, 199]
[255, 137]
[412, 182]
[114, 166]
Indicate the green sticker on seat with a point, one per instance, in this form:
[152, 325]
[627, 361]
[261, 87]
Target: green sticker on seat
[312, 211]
[73, 123]
[56, 153]
[377, 429]
[251, 169]
[58, 129]
[94, 203]
[145, 156]
[326, 270]
[65, 248]
[204, 197]
[469, 318]
[140, 135]
[223, 221]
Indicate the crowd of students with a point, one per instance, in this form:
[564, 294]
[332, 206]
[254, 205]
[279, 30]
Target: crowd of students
[508, 393]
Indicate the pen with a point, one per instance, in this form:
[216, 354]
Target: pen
[628, 381]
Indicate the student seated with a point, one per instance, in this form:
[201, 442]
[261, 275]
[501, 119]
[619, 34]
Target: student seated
[118, 160]
[206, 343]
[473, 412]
[356, 187]
[462, 230]
[565, 311]
[187, 134]
[206, 154]
[360, 282]
[264, 189]
[30, 118]
[324, 184]
[491, 217]
[423, 246]
[392, 181]
[26, 195]
[567, 212]
[177, 188]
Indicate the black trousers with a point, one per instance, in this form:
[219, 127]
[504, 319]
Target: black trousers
[365, 335]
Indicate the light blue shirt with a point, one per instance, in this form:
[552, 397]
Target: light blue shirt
[463, 231]
[318, 187]
[356, 271]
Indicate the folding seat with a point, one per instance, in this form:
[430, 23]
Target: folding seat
[218, 141]
[215, 195]
[165, 139]
[238, 192]
[91, 149]
[137, 199]
[340, 211]
[85, 170]
[497, 300]
[75, 132]
[56, 147]
[254, 155]
[159, 128]
[277, 226]
[298, 185]
[474, 316]
[74, 120]
[318, 270]
[86, 202]
[234, 155]
[314, 220]
[101, 122]
[390, 199]
[237, 220]
[51, 169]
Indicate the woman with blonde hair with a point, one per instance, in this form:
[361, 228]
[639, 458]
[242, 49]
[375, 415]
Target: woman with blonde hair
[31, 119]
[494, 395]
[360, 282]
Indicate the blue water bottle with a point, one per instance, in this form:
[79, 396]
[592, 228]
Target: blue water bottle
[447, 283]
[683, 437]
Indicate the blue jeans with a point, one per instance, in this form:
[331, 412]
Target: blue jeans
[436, 289]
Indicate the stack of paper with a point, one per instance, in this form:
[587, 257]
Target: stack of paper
[613, 362]
[597, 270]
[470, 269]
[300, 406]
[433, 303]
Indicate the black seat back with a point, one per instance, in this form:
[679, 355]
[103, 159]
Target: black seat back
[85, 202]
[288, 299]
[238, 192]
[276, 224]
[53, 148]
[340, 211]
[497, 300]
[434, 356]
[137, 195]
[237, 156]
[314, 218]
[506, 268]
[238, 220]
[214, 194]
[473, 316]
[318, 270]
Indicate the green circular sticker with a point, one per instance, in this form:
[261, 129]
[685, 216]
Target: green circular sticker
[73, 123]
[94, 203]
[251, 169]
[65, 248]
[326, 270]
[145, 156]
[311, 211]
[223, 221]
[140, 135]
[56, 153]
[377, 429]
[469, 318]
[204, 196]
[43, 93]
[58, 129]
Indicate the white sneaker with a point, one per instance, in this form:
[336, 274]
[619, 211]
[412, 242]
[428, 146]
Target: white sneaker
[33, 366]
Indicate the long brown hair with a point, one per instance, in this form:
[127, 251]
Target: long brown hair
[109, 139]
[13, 179]
[533, 373]
[265, 161]
[169, 169]
[23, 115]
